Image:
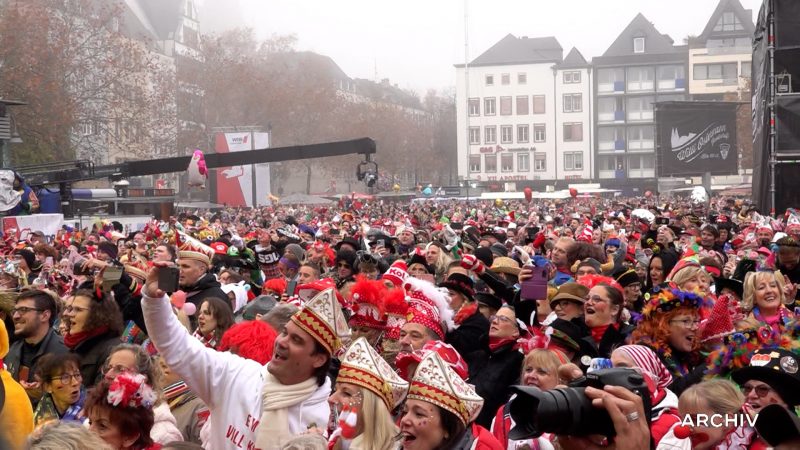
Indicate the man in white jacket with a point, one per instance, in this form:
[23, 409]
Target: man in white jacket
[254, 406]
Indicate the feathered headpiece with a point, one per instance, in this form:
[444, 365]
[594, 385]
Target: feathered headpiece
[396, 306]
[666, 298]
[368, 308]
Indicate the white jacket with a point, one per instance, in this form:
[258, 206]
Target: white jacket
[165, 428]
[228, 384]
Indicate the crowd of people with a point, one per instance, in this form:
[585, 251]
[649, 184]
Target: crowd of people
[416, 325]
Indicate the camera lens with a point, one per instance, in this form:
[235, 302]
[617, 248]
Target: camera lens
[565, 411]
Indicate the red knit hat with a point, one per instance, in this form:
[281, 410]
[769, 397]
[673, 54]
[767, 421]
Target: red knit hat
[397, 273]
[429, 306]
[396, 307]
[720, 320]
[368, 309]
[251, 339]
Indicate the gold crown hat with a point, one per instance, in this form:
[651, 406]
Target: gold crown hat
[323, 319]
[437, 383]
[363, 366]
[191, 248]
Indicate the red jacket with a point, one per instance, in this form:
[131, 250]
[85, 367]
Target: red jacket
[483, 439]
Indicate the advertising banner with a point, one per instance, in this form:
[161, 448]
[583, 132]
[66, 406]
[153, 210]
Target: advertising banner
[244, 185]
[695, 138]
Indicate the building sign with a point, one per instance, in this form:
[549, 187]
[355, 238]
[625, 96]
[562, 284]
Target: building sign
[522, 149]
[507, 178]
[696, 137]
[490, 149]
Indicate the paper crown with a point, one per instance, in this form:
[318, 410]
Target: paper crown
[368, 308]
[437, 383]
[323, 319]
[665, 298]
[363, 366]
[191, 248]
[396, 307]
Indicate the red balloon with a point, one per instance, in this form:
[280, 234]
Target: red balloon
[528, 194]
[573, 192]
[648, 194]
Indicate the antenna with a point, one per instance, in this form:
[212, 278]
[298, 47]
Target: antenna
[466, 88]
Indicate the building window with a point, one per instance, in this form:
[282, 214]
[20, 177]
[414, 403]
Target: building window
[573, 161]
[640, 79]
[474, 163]
[610, 109]
[522, 105]
[475, 135]
[506, 134]
[728, 22]
[490, 162]
[573, 103]
[739, 42]
[611, 81]
[538, 104]
[638, 45]
[539, 162]
[522, 78]
[746, 69]
[490, 80]
[640, 109]
[507, 162]
[726, 71]
[474, 107]
[641, 138]
[571, 77]
[505, 106]
[523, 162]
[573, 132]
[505, 79]
[539, 132]
[489, 106]
[490, 134]
[671, 78]
[522, 134]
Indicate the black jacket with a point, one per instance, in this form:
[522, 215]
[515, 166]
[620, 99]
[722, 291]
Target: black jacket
[500, 286]
[611, 339]
[52, 343]
[493, 373]
[207, 286]
[93, 353]
[466, 338]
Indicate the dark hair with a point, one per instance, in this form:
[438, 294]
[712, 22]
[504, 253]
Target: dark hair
[321, 372]
[222, 312]
[129, 421]
[52, 363]
[42, 300]
[580, 250]
[616, 297]
[103, 312]
[233, 276]
[454, 429]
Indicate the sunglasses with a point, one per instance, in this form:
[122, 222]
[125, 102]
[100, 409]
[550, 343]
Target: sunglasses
[761, 390]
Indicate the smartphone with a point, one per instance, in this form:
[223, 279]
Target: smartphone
[111, 276]
[77, 268]
[168, 279]
[535, 288]
[48, 261]
[662, 220]
[291, 287]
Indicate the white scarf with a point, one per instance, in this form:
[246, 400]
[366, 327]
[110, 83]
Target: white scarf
[273, 428]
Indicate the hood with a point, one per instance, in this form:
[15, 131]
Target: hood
[207, 281]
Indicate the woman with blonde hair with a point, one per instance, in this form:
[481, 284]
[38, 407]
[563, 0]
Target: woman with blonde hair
[65, 436]
[691, 277]
[367, 390]
[765, 301]
[719, 399]
[438, 258]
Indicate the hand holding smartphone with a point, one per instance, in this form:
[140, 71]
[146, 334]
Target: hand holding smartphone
[168, 279]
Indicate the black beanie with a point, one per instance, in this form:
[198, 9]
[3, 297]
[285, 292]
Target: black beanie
[485, 255]
[108, 248]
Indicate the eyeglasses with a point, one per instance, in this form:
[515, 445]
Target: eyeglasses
[22, 310]
[562, 304]
[595, 299]
[343, 265]
[65, 378]
[761, 390]
[76, 309]
[687, 323]
[501, 319]
[116, 369]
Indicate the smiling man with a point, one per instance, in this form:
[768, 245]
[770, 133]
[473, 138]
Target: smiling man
[254, 406]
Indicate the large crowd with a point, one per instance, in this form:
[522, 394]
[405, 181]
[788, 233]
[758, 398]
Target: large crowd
[583, 323]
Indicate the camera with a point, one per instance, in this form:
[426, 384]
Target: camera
[568, 411]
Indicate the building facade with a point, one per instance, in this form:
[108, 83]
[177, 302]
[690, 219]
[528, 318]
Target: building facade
[522, 115]
[719, 58]
[640, 68]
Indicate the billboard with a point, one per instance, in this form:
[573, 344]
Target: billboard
[246, 185]
[695, 138]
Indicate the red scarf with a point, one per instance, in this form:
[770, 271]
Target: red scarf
[496, 342]
[73, 340]
[465, 312]
[598, 332]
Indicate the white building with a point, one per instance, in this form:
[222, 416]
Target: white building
[519, 124]
[719, 59]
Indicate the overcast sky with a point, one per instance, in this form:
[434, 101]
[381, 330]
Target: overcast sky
[415, 43]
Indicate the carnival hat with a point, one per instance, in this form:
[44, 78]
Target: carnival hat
[363, 366]
[323, 319]
[437, 383]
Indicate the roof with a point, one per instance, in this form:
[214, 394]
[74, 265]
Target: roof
[745, 16]
[513, 50]
[293, 61]
[655, 42]
[574, 60]
[388, 93]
